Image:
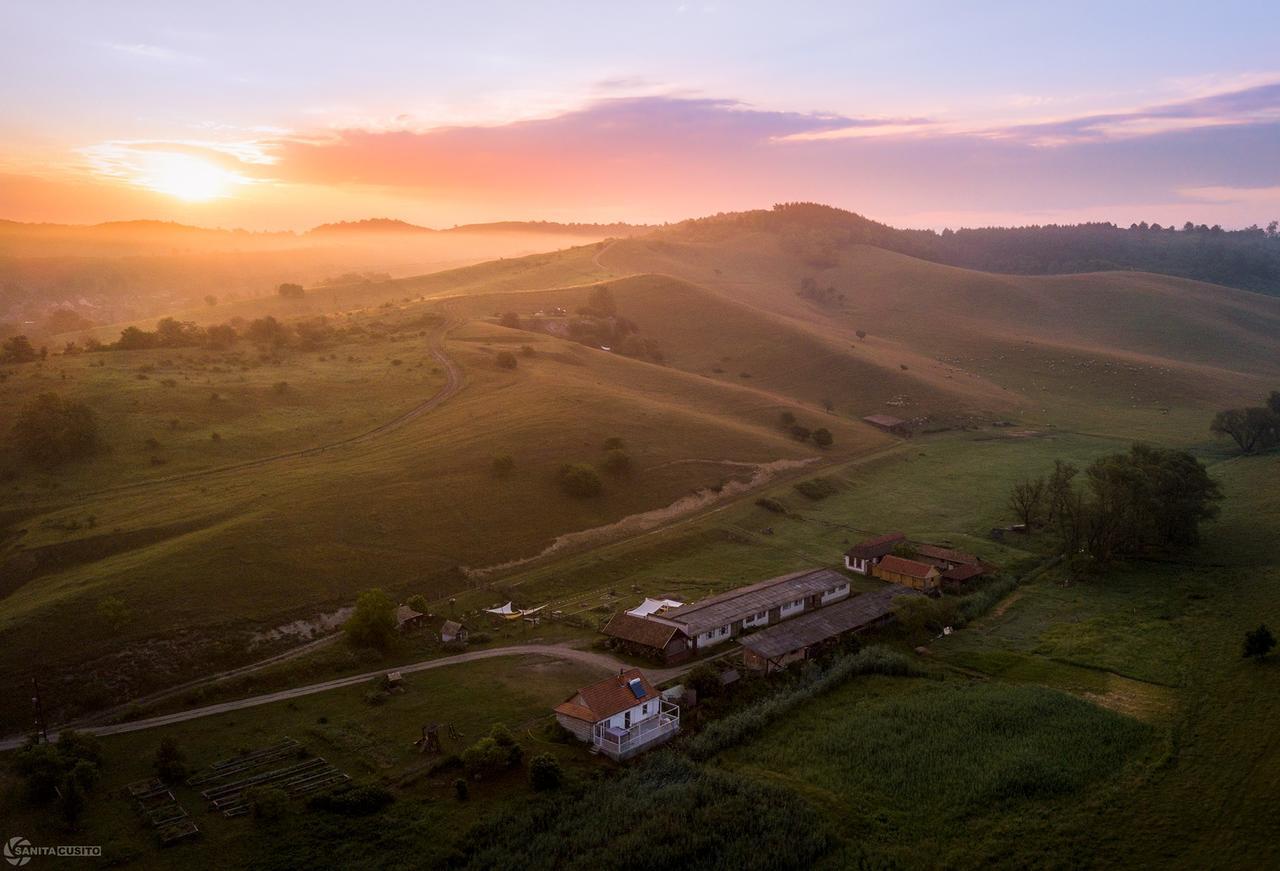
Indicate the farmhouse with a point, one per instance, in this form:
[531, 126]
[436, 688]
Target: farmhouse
[620, 716]
[773, 648]
[861, 557]
[664, 642]
[909, 573]
[888, 423]
[717, 619]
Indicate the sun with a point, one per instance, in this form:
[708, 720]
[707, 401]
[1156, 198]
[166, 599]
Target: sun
[186, 177]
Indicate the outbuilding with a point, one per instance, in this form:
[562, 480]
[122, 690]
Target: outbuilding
[863, 556]
[665, 642]
[909, 573]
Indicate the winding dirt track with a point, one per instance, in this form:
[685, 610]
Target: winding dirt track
[453, 383]
[556, 651]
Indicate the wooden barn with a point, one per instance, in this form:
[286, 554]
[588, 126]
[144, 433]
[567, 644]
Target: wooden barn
[407, 618]
[909, 573]
[774, 648]
[451, 631]
[664, 642]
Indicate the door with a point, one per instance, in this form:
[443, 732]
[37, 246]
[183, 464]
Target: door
[626, 720]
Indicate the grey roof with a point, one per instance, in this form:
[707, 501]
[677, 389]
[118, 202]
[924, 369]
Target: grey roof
[825, 623]
[723, 609]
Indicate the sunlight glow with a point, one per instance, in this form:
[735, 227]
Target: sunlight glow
[185, 177]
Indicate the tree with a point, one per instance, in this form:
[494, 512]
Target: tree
[71, 801]
[822, 437]
[51, 430]
[485, 757]
[134, 339]
[1026, 501]
[800, 433]
[210, 300]
[600, 300]
[1252, 429]
[506, 360]
[1058, 490]
[787, 419]
[291, 291]
[861, 334]
[17, 349]
[503, 465]
[510, 319]
[614, 443]
[267, 331]
[544, 772]
[220, 337]
[373, 622]
[418, 602]
[1258, 643]
[828, 404]
[580, 480]
[704, 680]
[170, 763]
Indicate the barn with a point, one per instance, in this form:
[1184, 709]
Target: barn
[909, 573]
[774, 648]
[664, 642]
[889, 424]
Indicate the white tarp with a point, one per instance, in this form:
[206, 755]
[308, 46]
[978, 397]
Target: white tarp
[653, 606]
[506, 612]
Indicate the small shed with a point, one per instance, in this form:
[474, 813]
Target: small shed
[451, 631]
[909, 573]
[408, 618]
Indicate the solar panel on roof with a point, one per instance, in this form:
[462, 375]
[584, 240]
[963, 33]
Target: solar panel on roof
[637, 689]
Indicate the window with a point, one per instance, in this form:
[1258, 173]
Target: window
[724, 630]
[644, 709]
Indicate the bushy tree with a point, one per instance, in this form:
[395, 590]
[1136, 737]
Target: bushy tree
[373, 622]
[1026, 500]
[51, 430]
[600, 301]
[267, 331]
[544, 772]
[822, 437]
[114, 612]
[1259, 642]
[289, 290]
[17, 349]
[510, 319]
[580, 480]
[506, 360]
[1252, 429]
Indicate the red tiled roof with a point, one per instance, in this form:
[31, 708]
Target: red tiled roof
[964, 573]
[638, 630]
[874, 547]
[908, 567]
[608, 697]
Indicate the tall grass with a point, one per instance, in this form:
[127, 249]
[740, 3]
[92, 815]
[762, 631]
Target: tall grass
[666, 812]
[740, 725]
[949, 749]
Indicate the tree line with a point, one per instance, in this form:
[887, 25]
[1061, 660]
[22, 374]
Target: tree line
[1121, 504]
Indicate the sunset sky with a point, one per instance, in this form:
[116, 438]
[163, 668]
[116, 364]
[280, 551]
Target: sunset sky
[273, 115]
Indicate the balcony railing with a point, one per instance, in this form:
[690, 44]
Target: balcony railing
[624, 743]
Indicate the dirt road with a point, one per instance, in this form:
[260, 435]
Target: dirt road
[558, 651]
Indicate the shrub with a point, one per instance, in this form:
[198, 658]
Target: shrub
[817, 488]
[528, 351]
[822, 437]
[418, 602]
[460, 789]
[114, 612]
[170, 763]
[614, 443]
[503, 465]
[511, 320]
[267, 803]
[616, 462]
[580, 480]
[354, 800]
[51, 430]
[799, 433]
[479, 637]
[544, 772]
[484, 757]
[289, 290]
[1259, 642]
[506, 360]
[786, 419]
[704, 680]
[771, 505]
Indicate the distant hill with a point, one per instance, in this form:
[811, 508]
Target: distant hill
[1248, 259]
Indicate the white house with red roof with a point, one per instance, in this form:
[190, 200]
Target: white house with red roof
[620, 716]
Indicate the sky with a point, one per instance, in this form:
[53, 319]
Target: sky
[282, 115]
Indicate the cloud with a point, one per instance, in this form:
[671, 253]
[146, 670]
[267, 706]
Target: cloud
[150, 52]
